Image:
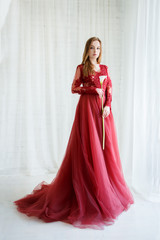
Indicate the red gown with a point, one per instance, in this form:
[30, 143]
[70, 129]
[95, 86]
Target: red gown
[89, 190]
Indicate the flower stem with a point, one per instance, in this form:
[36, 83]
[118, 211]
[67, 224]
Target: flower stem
[103, 122]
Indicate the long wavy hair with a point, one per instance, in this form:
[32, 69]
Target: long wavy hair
[88, 67]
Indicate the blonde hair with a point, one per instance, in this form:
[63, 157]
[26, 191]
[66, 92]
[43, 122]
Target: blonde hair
[88, 66]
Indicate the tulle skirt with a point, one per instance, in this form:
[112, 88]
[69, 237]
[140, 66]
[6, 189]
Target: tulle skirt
[89, 189]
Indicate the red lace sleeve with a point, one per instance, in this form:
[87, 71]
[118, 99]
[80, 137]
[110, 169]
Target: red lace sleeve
[77, 81]
[108, 91]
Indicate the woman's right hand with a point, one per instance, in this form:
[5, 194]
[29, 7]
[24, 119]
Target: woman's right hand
[100, 92]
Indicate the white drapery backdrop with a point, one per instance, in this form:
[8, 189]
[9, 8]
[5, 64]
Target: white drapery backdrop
[42, 42]
[140, 112]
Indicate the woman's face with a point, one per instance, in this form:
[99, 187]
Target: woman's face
[94, 50]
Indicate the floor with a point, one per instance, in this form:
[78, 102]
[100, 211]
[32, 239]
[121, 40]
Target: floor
[140, 222]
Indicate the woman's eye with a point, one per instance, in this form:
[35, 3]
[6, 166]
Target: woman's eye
[92, 47]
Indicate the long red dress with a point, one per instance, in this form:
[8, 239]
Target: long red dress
[89, 190]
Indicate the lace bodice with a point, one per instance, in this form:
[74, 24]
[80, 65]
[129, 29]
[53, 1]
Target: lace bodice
[90, 83]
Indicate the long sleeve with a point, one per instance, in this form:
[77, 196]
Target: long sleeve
[108, 91]
[77, 81]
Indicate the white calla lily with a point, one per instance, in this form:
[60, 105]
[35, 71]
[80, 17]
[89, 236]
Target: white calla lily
[102, 78]
[101, 82]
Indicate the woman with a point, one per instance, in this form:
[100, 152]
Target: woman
[89, 189]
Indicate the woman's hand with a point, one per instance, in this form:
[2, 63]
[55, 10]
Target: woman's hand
[100, 92]
[106, 111]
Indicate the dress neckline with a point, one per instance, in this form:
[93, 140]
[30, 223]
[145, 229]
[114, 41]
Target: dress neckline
[99, 68]
[97, 72]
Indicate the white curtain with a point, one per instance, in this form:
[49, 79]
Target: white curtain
[42, 42]
[140, 98]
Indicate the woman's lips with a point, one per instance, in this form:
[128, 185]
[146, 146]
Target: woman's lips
[94, 54]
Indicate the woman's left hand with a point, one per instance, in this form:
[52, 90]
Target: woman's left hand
[106, 111]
